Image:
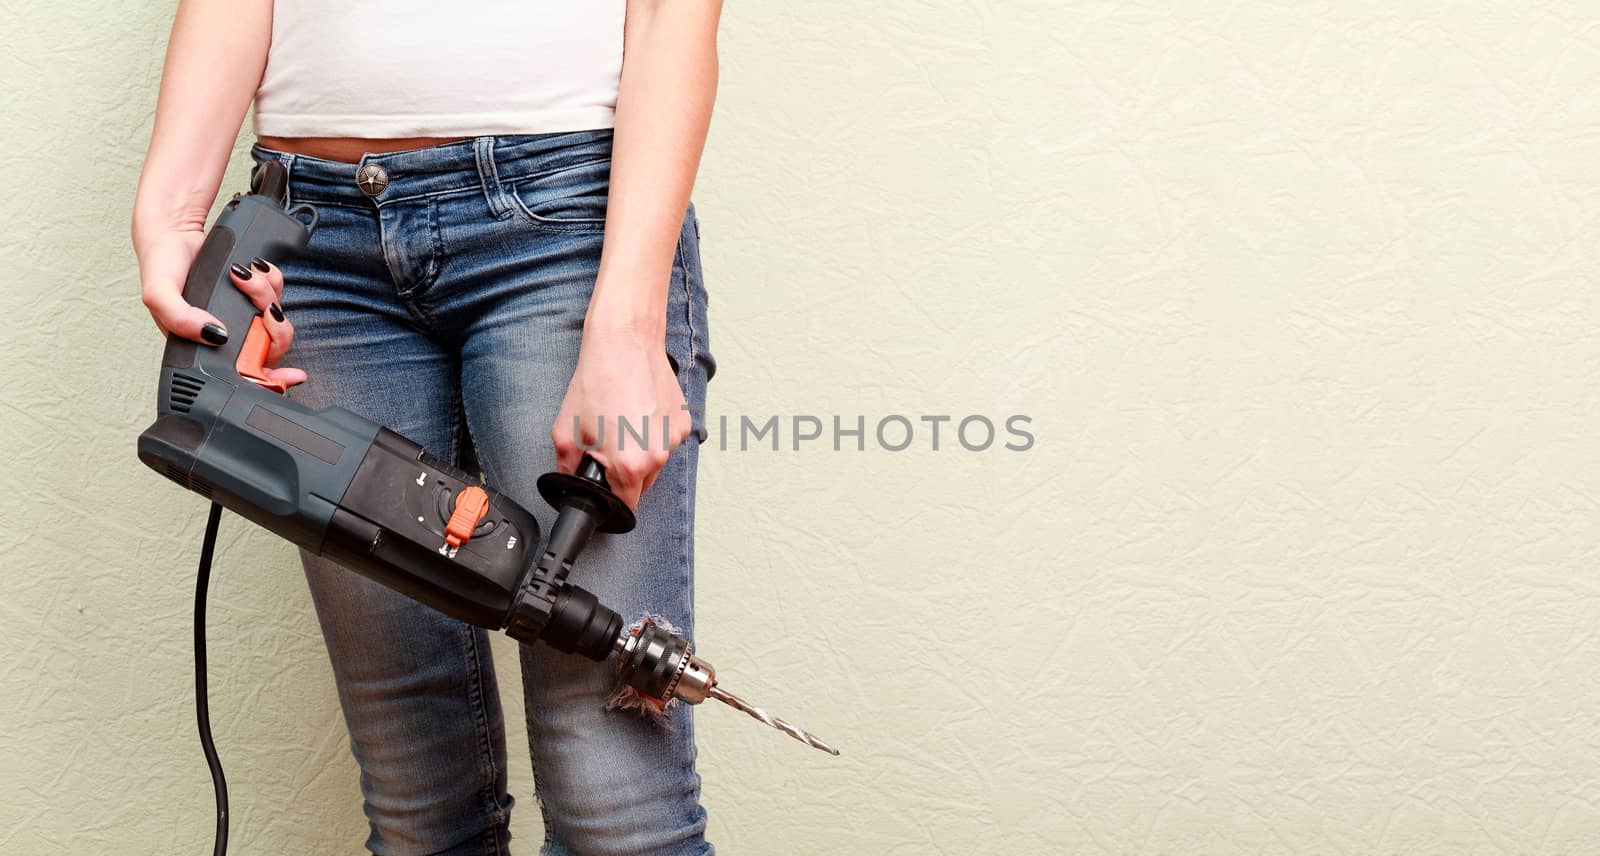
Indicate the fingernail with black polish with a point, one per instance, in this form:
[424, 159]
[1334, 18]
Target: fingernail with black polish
[277, 312]
[259, 264]
[240, 271]
[214, 334]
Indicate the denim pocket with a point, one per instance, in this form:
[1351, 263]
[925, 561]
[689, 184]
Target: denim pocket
[572, 199]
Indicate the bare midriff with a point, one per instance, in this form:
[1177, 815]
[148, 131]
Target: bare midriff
[349, 149]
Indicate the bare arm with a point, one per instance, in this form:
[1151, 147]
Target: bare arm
[215, 57]
[669, 80]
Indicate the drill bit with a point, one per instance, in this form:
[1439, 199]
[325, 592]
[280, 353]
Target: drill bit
[806, 737]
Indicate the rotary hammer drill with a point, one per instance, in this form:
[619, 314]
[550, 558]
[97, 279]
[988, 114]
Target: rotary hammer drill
[342, 486]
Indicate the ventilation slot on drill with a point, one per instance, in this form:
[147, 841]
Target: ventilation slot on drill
[185, 389]
[177, 474]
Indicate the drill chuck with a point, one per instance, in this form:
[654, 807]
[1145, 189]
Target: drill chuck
[662, 666]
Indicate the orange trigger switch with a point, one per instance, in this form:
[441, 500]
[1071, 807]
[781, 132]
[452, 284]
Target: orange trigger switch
[253, 357]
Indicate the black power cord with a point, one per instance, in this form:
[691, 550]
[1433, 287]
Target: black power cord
[202, 707]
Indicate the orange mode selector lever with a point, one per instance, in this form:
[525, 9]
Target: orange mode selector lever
[471, 504]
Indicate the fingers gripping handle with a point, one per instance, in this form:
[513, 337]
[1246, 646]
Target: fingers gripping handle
[250, 226]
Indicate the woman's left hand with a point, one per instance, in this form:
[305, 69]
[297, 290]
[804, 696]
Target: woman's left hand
[622, 377]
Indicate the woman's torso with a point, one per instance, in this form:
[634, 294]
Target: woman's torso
[343, 79]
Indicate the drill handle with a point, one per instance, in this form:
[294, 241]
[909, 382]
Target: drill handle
[586, 494]
[593, 470]
[250, 226]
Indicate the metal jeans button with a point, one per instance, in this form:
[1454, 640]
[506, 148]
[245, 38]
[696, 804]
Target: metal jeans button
[372, 179]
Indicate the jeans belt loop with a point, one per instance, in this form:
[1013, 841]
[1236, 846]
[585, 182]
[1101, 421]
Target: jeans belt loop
[288, 181]
[493, 192]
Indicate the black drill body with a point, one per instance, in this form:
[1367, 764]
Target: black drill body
[340, 485]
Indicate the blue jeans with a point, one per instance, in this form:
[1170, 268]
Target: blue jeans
[449, 307]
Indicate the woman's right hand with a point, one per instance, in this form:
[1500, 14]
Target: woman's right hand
[164, 261]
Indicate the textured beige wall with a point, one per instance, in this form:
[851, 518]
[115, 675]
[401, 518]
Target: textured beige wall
[1300, 297]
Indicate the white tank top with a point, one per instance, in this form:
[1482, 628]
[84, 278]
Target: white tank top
[424, 68]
